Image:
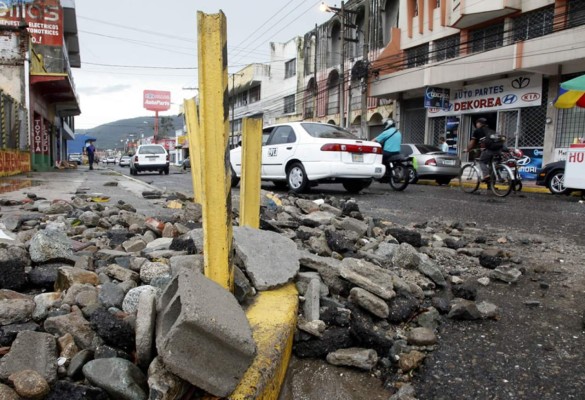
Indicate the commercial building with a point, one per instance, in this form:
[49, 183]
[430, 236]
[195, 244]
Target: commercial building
[38, 48]
[451, 62]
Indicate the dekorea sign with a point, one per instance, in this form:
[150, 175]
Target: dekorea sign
[503, 94]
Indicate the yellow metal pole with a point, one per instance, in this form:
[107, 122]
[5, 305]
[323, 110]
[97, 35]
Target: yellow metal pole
[193, 133]
[251, 164]
[214, 126]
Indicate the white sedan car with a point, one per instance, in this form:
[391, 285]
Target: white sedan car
[303, 154]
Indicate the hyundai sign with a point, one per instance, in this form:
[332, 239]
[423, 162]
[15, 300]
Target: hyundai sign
[156, 100]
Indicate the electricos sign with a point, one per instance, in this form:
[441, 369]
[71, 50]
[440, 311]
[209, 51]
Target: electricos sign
[156, 100]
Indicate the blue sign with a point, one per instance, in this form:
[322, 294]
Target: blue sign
[530, 163]
[436, 97]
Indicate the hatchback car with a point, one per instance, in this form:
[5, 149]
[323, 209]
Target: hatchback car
[110, 160]
[125, 161]
[303, 154]
[432, 163]
[150, 157]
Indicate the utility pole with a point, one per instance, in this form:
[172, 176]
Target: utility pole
[365, 55]
[233, 107]
[342, 69]
[316, 86]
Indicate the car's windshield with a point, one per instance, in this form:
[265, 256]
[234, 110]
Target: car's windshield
[427, 148]
[327, 131]
[152, 150]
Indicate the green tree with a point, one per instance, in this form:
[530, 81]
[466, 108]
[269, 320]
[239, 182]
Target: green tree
[166, 127]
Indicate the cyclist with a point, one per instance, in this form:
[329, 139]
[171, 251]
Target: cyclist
[481, 139]
[390, 139]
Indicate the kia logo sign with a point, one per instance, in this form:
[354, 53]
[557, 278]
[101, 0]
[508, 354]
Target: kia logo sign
[531, 97]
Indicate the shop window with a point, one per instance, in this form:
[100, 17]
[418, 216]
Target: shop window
[570, 126]
[534, 24]
[290, 68]
[487, 38]
[417, 56]
[446, 48]
[289, 104]
[254, 94]
[576, 13]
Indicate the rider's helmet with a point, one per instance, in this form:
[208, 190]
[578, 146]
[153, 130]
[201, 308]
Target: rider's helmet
[389, 123]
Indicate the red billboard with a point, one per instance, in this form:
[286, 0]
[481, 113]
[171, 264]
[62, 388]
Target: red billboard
[156, 100]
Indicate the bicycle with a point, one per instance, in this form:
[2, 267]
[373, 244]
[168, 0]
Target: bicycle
[501, 179]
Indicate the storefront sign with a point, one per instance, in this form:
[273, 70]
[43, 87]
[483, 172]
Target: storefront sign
[503, 94]
[436, 97]
[37, 135]
[529, 165]
[45, 139]
[156, 100]
[44, 19]
[560, 154]
[575, 169]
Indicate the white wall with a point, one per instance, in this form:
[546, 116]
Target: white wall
[10, 76]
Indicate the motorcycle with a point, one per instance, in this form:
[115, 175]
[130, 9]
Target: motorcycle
[398, 172]
[511, 159]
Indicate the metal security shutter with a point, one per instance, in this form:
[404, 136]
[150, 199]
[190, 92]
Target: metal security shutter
[533, 122]
[438, 128]
[413, 121]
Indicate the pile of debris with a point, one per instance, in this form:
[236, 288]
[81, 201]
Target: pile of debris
[100, 302]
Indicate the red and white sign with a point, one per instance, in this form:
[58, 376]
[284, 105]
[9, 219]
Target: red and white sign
[43, 17]
[156, 100]
[575, 168]
[503, 94]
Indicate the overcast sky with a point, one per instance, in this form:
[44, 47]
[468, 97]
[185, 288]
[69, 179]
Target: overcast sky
[138, 34]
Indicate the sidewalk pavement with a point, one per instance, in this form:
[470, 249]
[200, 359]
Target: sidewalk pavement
[64, 184]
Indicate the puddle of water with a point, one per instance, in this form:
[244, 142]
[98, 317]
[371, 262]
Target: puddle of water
[13, 185]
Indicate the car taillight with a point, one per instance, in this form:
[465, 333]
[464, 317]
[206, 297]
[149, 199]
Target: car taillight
[167, 157]
[351, 148]
[431, 161]
[135, 159]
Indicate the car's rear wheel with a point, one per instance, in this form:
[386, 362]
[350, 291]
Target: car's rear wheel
[556, 183]
[296, 178]
[357, 185]
[160, 172]
[166, 170]
[133, 171]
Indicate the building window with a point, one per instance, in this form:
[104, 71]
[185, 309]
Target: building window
[290, 68]
[237, 124]
[289, 104]
[487, 38]
[438, 5]
[534, 24]
[446, 48]
[576, 13]
[254, 94]
[415, 7]
[417, 56]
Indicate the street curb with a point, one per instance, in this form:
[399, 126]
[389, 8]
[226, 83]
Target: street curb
[273, 318]
[136, 180]
[525, 188]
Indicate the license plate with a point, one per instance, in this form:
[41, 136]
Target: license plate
[378, 170]
[449, 162]
[357, 157]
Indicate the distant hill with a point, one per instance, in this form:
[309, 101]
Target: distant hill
[113, 135]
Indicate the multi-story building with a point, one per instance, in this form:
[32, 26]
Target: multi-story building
[451, 62]
[38, 48]
[337, 59]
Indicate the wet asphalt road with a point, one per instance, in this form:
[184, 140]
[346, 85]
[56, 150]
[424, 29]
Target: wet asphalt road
[524, 212]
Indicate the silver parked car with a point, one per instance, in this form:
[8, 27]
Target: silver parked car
[432, 163]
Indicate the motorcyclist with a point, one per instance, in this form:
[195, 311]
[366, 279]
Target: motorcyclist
[390, 139]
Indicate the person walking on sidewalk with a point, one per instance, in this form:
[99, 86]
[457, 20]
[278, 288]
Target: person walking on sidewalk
[90, 149]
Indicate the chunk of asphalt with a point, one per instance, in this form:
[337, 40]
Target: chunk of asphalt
[270, 259]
